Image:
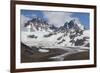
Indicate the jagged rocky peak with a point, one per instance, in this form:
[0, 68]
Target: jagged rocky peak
[40, 24]
[73, 24]
[39, 20]
[70, 26]
[37, 24]
[53, 27]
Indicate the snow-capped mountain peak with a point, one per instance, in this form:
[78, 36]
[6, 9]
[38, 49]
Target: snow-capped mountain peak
[74, 24]
[41, 33]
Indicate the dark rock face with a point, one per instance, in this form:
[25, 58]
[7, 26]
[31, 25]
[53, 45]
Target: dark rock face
[61, 41]
[27, 49]
[48, 35]
[87, 45]
[32, 36]
[71, 24]
[53, 27]
[79, 42]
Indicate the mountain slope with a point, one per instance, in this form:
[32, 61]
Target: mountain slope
[42, 34]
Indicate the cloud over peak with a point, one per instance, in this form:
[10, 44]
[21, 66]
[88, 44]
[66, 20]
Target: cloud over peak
[59, 18]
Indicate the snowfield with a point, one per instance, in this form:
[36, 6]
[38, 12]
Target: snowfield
[43, 35]
[49, 42]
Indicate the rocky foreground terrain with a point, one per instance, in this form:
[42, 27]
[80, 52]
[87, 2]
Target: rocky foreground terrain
[33, 55]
